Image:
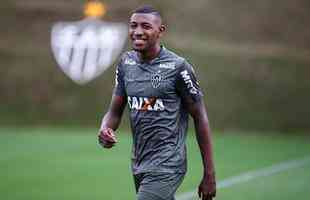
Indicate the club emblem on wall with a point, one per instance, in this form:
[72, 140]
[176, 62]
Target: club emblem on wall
[85, 49]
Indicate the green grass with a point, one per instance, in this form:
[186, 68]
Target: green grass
[50, 163]
[291, 184]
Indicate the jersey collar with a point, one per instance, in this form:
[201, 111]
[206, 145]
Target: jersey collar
[151, 62]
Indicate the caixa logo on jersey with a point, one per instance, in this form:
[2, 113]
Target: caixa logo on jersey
[85, 49]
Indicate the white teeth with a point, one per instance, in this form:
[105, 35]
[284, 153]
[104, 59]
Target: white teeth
[138, 40]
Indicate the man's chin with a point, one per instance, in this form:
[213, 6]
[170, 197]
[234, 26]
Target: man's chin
[138, 49]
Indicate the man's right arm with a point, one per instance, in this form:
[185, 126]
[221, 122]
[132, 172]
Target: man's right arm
[111, 121]
[113, 117]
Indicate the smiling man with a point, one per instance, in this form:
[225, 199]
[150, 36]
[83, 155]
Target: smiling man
[161, 91]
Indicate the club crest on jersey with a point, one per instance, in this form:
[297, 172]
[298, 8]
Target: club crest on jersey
[85, 49]
[156, 79]
[145, 103]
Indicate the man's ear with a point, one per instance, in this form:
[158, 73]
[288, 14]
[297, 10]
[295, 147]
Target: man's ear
[162, 28]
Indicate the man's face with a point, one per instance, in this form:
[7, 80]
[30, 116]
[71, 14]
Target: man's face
[145, 31]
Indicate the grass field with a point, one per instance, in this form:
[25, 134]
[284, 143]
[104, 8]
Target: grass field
[55, 163]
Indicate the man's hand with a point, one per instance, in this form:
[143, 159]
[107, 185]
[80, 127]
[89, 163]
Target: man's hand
[106, 138]
[207, 187]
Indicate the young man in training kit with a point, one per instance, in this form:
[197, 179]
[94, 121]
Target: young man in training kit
[160, 89]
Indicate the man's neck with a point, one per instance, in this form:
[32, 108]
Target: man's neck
[150, 54]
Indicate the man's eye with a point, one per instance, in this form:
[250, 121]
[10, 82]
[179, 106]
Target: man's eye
[133, 25]
[147, 27]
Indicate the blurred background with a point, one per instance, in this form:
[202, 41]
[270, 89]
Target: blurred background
[251, 57]
[252, 60]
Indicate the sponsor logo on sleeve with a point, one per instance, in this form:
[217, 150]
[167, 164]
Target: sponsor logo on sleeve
[188, 81]
[116, 77]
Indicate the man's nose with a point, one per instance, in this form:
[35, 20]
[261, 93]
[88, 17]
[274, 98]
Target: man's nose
[138, 31]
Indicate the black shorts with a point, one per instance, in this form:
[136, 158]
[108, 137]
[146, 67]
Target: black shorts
[157, 185]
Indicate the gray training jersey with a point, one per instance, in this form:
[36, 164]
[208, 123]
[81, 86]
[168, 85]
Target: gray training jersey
[154, 92]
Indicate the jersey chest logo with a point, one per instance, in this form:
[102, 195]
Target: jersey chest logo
[156, 79]
[145, 103]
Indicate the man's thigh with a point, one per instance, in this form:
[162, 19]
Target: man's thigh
[158, 186]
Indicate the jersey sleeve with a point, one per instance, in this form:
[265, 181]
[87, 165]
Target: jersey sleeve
[119, 87]
[186, 84]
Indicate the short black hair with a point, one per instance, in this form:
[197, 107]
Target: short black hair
[147, 9]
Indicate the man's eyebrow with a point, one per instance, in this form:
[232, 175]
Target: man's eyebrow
[146, 23]
[140, 22]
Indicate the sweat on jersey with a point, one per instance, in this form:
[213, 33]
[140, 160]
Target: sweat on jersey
[158, 119]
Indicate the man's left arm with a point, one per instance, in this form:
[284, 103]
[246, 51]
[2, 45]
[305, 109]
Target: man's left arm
[192, 98]
[207, 187]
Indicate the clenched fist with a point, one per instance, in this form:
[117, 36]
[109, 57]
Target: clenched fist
[106, 137]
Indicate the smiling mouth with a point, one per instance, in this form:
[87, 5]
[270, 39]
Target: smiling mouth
[138, 39]
[139, 42]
